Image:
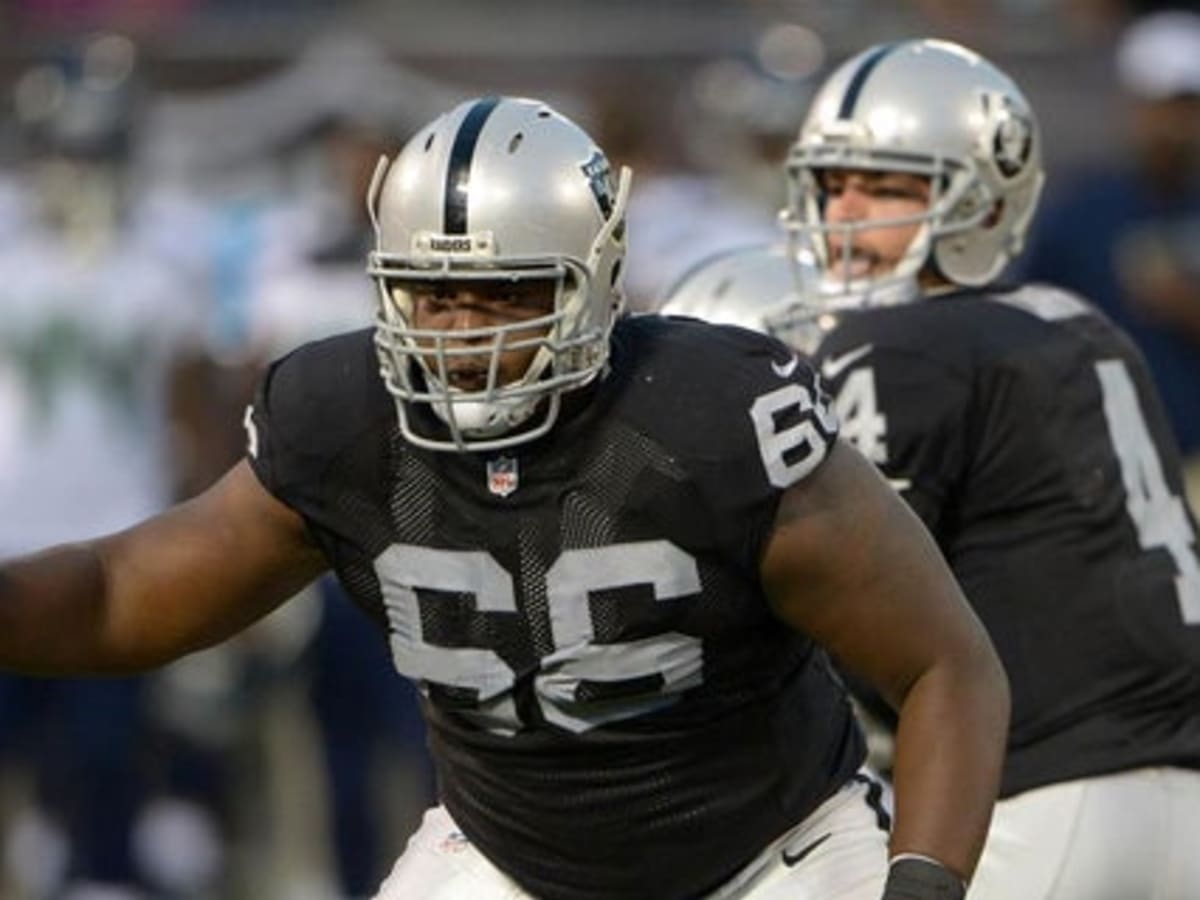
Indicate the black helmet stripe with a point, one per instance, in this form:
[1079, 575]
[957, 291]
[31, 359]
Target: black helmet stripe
[859, 79]
[458, 172]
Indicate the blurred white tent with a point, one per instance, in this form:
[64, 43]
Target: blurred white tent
[344, 78]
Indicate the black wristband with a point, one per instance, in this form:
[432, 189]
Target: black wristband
[917, 878]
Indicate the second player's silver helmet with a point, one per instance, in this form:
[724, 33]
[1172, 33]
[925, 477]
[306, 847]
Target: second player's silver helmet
[497, 188]
[936, 109]
[753, 287]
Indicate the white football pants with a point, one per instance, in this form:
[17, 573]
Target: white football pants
[1128, 836]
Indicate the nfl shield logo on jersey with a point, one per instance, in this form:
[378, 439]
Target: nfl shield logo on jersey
[502, 475]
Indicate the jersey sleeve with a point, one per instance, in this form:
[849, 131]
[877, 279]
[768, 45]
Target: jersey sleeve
[308, 407]
[747, 417]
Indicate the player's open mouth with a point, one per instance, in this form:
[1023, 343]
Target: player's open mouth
[858, 263]
[468, 378]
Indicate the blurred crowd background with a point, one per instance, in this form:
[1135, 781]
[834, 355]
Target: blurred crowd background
[181, 187]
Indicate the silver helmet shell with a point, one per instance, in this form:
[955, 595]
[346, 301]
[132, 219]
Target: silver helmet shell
[760, 287]
[931, 108]
[497, 188]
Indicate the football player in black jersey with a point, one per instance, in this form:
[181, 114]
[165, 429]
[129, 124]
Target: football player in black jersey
[1024, 429]
[614, 555]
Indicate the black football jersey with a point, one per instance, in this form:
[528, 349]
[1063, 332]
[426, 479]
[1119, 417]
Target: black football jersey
[1025, 431]
[613, 710]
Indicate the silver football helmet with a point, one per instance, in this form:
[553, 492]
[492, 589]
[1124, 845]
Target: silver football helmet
[497, 188]
[757, 287]
[931, 108]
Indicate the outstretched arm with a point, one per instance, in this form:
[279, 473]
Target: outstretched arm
[186, 579]
[852, 566]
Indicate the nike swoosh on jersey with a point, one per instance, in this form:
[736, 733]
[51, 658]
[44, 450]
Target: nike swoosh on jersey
[833, 366]
[792, 859]
[784, 370]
